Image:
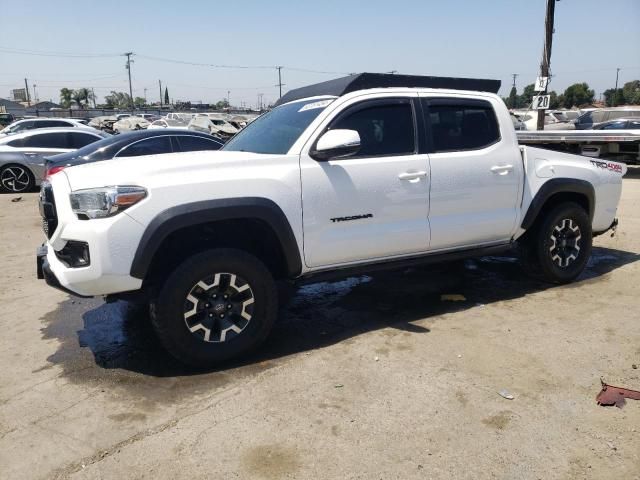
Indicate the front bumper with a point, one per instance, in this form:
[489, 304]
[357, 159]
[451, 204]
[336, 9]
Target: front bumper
[111, 242]
[44, 272]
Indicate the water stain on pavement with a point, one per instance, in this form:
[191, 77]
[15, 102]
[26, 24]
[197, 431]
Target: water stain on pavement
[113, 346]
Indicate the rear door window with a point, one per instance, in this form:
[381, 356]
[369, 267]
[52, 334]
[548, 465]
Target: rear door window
[79, 139]
[149, 146]
[191, 143]
[47, 140]
[458, 125]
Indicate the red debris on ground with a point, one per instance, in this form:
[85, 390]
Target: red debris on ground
[610, 395]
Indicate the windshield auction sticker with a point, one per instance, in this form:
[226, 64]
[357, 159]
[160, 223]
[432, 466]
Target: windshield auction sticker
[319, 104]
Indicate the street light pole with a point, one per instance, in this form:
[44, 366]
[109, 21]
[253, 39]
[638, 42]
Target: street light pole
[615, 91]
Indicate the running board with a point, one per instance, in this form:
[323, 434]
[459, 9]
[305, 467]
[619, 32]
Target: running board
[356, 270]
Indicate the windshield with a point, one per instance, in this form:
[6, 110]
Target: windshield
[276, 131]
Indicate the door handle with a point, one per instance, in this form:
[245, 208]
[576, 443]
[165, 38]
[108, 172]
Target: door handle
[501, 169]
[412, 177]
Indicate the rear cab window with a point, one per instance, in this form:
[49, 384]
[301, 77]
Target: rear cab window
[459, 124]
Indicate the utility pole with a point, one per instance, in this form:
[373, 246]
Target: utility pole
[229, 99]
[260, 101]
[35, 95]
[546, 53]
[145, 96]
[160, 85]
[514, 75]
[280, 84]
[128, 55]
[93, 94]
[26, 87]
[615, 91]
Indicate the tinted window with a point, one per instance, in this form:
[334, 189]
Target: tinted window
[150, 146]
[462, 127]
[79, 140]
[28, 125]
[585, 118]
[47, 140]
[383, 129]
[615, 125]
[275, 132]
[634, 124]
[51, 123]
[189, 143]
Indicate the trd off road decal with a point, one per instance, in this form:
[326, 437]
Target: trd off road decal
[353, 217]
[614, 167]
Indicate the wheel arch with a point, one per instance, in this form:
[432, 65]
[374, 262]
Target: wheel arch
[557, 190]
[258, 211]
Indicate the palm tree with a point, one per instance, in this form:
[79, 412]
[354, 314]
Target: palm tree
[81, 97]
[66, 97]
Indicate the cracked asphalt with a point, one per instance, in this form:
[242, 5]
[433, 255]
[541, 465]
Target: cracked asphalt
[371, 377]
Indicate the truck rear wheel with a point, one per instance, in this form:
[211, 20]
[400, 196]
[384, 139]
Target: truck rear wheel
[559, 247]
[216, 305]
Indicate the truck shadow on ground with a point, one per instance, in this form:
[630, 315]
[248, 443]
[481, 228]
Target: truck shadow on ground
[114, 343]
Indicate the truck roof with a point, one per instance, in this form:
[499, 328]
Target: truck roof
[361, 81]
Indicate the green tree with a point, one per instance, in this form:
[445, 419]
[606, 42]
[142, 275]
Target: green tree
[166, 96]
[66, 97]
[81, 97]
[578, 94]
[631, 92]
[139, 102]
[608, 96]
[512, 99]
[553, 100]
[222, 104]
[526, 98]
[118, 100]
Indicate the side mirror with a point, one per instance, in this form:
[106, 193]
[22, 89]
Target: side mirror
[337, 143]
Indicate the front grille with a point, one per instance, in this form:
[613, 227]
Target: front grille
[48, 209]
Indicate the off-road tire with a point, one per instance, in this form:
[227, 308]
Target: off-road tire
[542, 252]
[169, 308]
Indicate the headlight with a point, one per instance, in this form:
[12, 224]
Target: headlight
[104, 202]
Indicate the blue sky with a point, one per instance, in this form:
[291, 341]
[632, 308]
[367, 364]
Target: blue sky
[474, 38]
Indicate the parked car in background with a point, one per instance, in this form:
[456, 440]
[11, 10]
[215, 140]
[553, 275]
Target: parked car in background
[6, 119]
[149, 117]
[33, 123]
[129, 124]
[22, 155]
[168, 123]
[517, 123]
[214, 126]
[135, 144]
[120, 116]
[182, 117]
[103, 122]
[593, 118]
[620, 124]
[530, 120]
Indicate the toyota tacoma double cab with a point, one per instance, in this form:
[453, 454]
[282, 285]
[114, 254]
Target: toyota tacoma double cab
[345, 176]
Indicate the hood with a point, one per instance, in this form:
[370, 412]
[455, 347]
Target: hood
[164, 169]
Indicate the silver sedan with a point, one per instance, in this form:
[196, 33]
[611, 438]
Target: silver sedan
[22, 155]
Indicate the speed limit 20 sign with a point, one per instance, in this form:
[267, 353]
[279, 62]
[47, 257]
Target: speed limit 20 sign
[541, 102]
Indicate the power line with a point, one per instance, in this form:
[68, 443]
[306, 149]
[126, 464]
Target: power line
[56, 54]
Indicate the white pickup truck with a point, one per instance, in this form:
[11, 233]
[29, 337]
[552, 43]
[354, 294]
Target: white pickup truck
[346, 176]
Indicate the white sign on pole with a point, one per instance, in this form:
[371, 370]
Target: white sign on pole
[541, 84]
[541, 102]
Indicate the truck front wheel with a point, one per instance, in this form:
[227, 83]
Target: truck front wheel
[559, 246]
[215, 306]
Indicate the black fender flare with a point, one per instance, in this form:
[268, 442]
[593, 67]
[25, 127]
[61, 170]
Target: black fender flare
[190, 214]
[554, 186]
